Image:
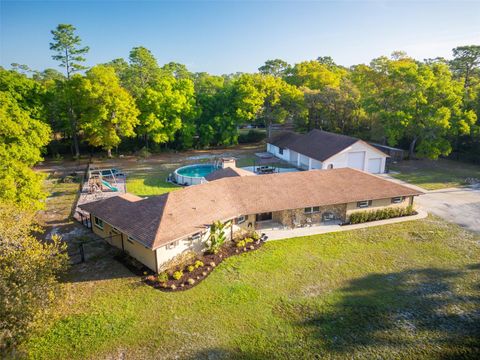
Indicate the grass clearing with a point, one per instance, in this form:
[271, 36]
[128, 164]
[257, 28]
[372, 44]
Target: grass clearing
[433, 175]
[409, 288]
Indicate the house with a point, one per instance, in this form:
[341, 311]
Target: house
[156, 229]
[325, 150]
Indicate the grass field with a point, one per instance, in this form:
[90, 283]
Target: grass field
[408, 290]
[433, 175]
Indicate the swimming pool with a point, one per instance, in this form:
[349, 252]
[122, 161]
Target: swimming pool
[193, 174]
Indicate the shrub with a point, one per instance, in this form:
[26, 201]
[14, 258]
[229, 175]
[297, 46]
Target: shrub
[255, 236]
[191, 268]
[252, 136]
[198, 263]
[241, 244]
[163, 277]
[177, 275]
[217, 236]
[248, 240]
[381, 214]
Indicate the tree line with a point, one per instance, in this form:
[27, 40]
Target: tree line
[430, 107]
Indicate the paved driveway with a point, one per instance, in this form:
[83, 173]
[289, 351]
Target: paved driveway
[458, 205]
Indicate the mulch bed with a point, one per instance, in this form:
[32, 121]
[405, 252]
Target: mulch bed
[210, 261]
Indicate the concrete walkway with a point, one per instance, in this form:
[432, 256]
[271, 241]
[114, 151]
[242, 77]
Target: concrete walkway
[279, 234]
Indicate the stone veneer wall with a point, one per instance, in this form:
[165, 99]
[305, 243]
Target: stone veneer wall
[287, 217]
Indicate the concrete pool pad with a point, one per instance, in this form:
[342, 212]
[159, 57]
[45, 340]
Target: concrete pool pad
[280, 234]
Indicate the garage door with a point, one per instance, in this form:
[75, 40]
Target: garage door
[375, 165]
[356, 159]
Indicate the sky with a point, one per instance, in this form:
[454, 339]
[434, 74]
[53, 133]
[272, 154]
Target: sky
[230, 36]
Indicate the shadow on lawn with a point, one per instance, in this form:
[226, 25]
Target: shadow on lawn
[375, 309]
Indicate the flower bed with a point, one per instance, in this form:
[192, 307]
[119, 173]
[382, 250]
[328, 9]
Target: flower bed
[187, 276]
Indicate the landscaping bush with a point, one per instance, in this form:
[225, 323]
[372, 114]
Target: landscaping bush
[252, 136]
[241, 244]
[381, 214]
[163, 277]
[255, 235]
[248, 240]
[177, 275]
[198, 263]
[191, 268]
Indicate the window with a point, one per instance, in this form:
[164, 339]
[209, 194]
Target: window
[195, 237]
[312, 210]
[397, 200]
[173, 244]
[330, 166]
[241, 219]
[98, 223]
[280, 151]
[364, 204]
[328, 216]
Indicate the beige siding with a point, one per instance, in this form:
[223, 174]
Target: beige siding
[379, 204]
[168, 252]
[136, 250]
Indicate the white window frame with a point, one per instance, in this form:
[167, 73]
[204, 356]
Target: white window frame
[397, 199]
[172, 245]
[196, 236]
[95, 221]
[241, 219]
[311, 210]
[364, 204]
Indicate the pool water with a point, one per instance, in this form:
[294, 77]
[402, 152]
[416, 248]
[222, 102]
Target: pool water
[197, 170]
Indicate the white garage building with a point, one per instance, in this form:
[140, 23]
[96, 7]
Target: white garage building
[324, 150]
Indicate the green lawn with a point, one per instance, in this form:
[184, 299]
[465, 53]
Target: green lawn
[408, 290]
[439, 174]
[150, 182]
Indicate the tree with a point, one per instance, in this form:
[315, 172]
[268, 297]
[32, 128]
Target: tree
[418, 102]
[276, 67]
[142, 73]
[266, 97]
[28, 273]
[163, 106]
[217, 236]
[68, 52]
[21, 141]
[466, 62]
[109, 110]
[315, 75]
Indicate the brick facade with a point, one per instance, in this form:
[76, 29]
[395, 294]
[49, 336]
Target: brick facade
[290, 217]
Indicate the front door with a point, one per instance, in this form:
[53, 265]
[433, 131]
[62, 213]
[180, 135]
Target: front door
[263, 216]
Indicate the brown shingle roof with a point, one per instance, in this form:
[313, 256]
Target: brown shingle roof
[227, 172]
[317, 144]
[284, 139]
[159, 220]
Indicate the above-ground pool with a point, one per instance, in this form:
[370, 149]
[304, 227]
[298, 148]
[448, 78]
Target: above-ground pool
[193, 174]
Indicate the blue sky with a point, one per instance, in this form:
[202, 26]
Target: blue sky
[227, 36]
